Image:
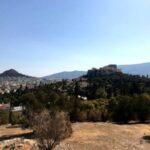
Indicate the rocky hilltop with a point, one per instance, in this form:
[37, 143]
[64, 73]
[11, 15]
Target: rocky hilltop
[12, 73]
[110, 69]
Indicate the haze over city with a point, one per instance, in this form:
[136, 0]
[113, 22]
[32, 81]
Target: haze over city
[43, 37]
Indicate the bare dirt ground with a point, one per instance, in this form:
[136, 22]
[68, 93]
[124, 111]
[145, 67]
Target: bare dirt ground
[10, 131]
[107, 136]
[91, 136]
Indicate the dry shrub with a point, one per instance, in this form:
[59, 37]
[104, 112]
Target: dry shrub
[82, 116]
[50, 128]
[4, 117]
[94, 115]
[97, 115]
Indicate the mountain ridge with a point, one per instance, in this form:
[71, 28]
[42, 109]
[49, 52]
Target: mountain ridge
[13, 73]
[65, 75]
[136, 69]
[133, 69]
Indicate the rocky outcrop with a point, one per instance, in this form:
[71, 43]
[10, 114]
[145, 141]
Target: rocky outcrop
[110, 69]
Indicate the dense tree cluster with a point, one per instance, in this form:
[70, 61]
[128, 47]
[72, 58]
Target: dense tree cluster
[127, 108]
[117, 84]
[116, 97]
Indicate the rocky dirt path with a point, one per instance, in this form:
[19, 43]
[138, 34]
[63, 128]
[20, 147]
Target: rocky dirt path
[10, 138]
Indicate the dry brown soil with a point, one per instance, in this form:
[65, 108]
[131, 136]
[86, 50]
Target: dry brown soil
[92, 136]
[107, 136]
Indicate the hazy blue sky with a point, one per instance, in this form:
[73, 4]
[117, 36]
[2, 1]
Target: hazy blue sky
[39, 37]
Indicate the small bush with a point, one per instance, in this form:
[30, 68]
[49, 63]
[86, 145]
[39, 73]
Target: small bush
[93, 110]
[16, 116]
[24, 122]
[4, 117]
[82, 116]
[50, 128]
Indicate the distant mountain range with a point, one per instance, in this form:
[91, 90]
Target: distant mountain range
[135, 69]
[65, 75]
